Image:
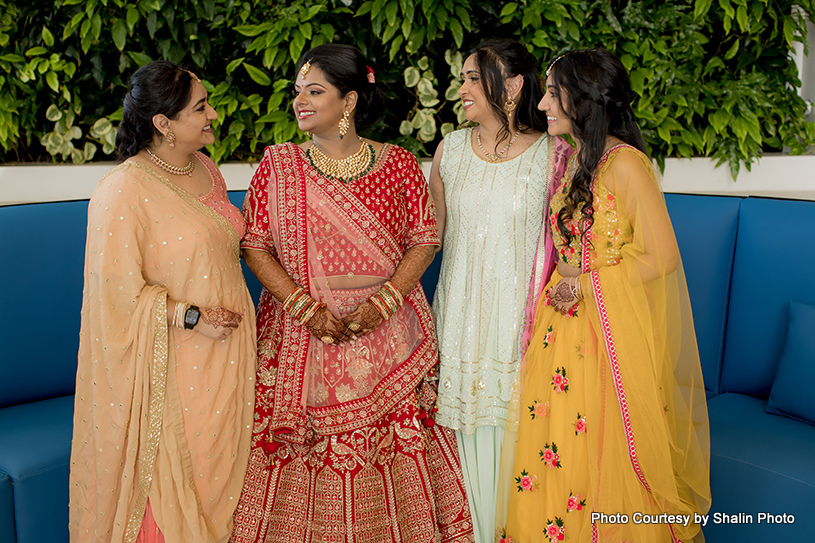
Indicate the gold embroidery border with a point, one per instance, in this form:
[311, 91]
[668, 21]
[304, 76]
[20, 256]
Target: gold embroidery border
[158, 383]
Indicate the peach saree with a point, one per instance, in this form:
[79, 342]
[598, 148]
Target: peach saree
[160, 413]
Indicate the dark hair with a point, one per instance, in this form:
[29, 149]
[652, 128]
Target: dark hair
[158, 87]
[345, 68]
[597, 92]
[498, 60]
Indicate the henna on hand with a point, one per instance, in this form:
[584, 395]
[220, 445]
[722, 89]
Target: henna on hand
[220, 317]
[324, 324]
[366, 316]
[562, 296]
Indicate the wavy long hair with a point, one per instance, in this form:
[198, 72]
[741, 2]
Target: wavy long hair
[593, 88]
[498, 60]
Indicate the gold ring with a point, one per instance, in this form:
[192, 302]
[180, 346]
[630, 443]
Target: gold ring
[328, 340]
[354, 326]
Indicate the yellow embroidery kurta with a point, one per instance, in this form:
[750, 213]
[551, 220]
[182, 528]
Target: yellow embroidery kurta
[160, 413]
[612, 412]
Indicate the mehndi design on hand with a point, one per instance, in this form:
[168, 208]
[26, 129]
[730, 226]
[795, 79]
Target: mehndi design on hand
[220, 317]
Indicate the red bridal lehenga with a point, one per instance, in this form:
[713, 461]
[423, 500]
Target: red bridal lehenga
[344, 445]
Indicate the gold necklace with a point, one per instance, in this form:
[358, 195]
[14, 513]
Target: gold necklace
[500, 154]
[185, 170]
[343, 169]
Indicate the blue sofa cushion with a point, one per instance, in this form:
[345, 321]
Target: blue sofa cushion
[6, 510]
[791, 394]
[773, 254]
[705, 228]
[759, 463]
[35, 453]
[43, 248]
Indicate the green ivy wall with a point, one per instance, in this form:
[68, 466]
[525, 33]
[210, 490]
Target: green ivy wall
[714, 78]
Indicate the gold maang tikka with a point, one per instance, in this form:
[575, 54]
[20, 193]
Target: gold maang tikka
[305, 68]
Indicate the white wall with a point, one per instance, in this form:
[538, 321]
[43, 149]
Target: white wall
[780, 176]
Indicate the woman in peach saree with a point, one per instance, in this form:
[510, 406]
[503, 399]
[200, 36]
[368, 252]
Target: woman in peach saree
[167, 358]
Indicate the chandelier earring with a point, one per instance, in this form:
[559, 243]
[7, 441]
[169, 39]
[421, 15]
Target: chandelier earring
[509, 108]
[344, 123]
[170, 138]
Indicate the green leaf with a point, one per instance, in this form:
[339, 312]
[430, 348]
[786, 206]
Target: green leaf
[53, 82]
[425, 86]
[257, 75]
[132, 17]
[508, 10]
[732, 51]
[406, 128]
[452, 91]
[101, 127]
[412, 77]
[638, 77]
[718, 119]
[457, 31]
[47, 37]
[35, 51]
[53, 113]
[701, 8]
[139, 58]
[119, 34]
[11, 57]
[274, 117]
[396, 44]
[89, 151]
[234, 64]
[429, 99]
[391, 10]
[446, 128]
[741, 17]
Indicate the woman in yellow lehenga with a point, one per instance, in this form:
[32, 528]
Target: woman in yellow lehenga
[612, 441]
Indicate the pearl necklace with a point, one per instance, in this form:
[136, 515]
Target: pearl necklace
[185, 170]
[500, 154]
[344, 169]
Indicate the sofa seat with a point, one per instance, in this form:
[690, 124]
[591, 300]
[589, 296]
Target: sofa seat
[6, 510]
[35, 451]
[752, 452]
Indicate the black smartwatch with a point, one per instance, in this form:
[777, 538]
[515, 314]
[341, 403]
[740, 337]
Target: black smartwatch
[191, 317]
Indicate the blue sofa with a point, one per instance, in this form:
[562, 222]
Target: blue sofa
[740, 291]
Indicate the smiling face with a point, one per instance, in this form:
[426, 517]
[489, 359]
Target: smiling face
[193, 124]
[318, 106]
[559, 122]
[476, 104]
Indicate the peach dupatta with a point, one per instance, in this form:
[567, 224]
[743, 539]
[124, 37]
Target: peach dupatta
[160, 413]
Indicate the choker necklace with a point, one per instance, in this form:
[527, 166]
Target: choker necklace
[345, 169]
[185, 170]
[500, 154]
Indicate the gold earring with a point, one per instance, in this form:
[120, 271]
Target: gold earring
[344, 124]
[509, 107]
[170, 139]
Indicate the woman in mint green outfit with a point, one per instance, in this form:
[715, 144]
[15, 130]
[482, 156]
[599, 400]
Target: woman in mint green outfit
[491, 184]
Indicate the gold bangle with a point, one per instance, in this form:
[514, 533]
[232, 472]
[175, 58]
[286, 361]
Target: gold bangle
[180, 313]
[296, 292]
